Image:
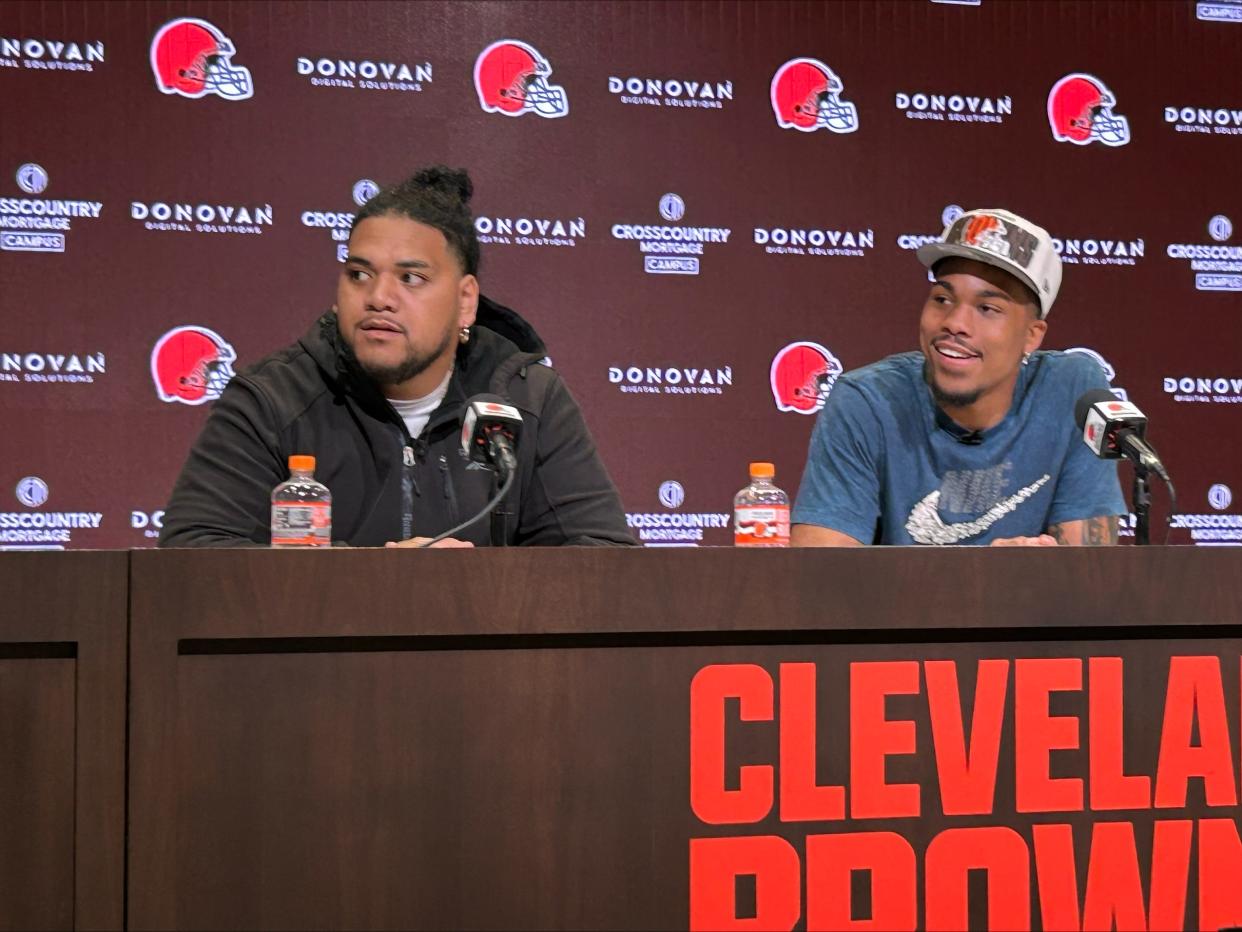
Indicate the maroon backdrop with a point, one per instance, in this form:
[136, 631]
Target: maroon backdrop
[663, 99]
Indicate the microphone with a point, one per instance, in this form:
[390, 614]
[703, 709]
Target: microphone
[489, 433]
[1113, 429]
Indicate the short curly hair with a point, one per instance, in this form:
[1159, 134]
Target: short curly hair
[438, 196]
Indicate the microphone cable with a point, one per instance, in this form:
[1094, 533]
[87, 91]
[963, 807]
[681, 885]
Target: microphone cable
[495, 500]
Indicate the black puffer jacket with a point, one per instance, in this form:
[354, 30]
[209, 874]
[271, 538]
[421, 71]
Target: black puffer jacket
[386, 485]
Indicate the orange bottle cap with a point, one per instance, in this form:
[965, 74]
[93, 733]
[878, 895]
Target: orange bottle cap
[762, 470]
[302, 462]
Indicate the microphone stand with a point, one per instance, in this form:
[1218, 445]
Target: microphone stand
[506, 468]
[1142, 505]
[500, 515]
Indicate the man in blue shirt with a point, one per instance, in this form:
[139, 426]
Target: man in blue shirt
[971, 440]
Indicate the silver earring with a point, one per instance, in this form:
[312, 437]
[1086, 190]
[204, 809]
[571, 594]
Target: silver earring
[464, 334]
[1026, 358]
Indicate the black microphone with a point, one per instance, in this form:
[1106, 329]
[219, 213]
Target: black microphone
[1113, 429]
[489, 433]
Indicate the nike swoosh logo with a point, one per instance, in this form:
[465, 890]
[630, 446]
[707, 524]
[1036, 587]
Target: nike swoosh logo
[926, 526]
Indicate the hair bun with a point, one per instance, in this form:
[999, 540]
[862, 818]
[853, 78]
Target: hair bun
[454, 182]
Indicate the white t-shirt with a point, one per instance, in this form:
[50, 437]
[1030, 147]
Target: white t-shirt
[417, 411]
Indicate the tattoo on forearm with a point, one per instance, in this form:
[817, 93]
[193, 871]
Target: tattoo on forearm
[1090, 532]
[1100, 531]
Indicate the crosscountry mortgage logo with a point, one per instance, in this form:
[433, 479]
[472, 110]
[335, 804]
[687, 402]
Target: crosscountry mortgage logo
[1216, 267]
[365, 75]
[31, 178]
[1212, 529]
[671, 250]
[1220, 496]
[364, 190]
[672, 528]
[1219, 11]
[31, 224]
[340, 223]
[32, 491]
[192, 58]
[41, 530]
[672, 494]
[912, 241]
[672, 208]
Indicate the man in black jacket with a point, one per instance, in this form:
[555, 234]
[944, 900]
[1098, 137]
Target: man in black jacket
[374, 391]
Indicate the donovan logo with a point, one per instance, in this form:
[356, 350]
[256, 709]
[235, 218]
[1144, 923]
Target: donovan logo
[805, 97]
[511, 77]
[802, 376]
[1080, 111]
[192, 58]
[191, 365]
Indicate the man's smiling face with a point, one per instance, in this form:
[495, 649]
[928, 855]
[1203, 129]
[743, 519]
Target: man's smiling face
[976, 325]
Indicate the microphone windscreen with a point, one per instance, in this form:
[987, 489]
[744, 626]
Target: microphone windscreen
[1084, 403]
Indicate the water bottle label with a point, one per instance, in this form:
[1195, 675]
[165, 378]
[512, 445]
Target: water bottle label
[301, 524]
[761, 526]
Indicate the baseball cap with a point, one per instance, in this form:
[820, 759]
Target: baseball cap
[1005, 240]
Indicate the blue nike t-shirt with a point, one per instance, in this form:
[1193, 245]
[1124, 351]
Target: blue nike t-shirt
[884, 458]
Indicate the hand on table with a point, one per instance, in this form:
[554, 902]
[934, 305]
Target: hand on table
[1043, 540]
[422, 542]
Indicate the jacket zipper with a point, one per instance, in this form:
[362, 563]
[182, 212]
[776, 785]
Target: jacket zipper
[409, 488]
[449, 494]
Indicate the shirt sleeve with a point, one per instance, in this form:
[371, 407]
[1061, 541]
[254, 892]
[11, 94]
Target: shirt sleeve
[223, 496]
[840, 486]
[570, 499]
[1088, 486]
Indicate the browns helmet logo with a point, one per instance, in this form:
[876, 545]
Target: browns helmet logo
[802, 376]
[805, 97]
[192, 58]
[511, 77]
[191, 365]
[1080, 111]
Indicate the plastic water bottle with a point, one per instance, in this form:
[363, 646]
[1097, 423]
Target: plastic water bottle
[761, 511]
[301, 508]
